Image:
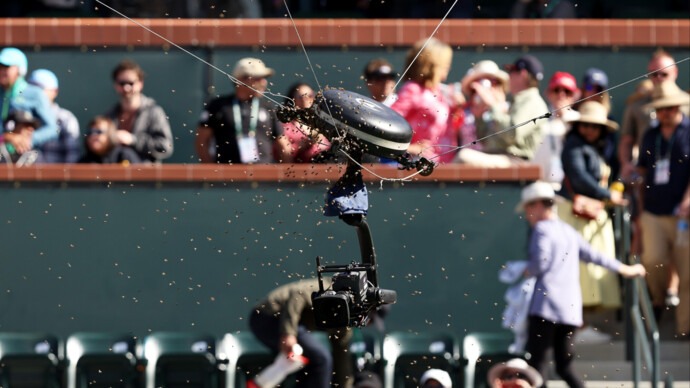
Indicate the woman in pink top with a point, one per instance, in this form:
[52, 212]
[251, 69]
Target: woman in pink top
[423, 101]
[304, 144]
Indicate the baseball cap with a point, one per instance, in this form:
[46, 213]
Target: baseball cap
[439, 375]
[21, 117]
[529, 63]
[595, 77]
[379, 68]
[10, 56]
[43, 78]
[516, 365]
[533, 192]
[251, 67]
[564, 80]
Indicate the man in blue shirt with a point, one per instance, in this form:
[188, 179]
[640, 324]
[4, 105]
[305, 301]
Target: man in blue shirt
[18, 95]
[664, 167]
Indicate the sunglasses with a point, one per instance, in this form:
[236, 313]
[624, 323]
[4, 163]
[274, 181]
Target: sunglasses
[513, 375]
[559, 90]
[593, 88]
[96, 131]
[124, 83]
[304, 96]
[659, 74]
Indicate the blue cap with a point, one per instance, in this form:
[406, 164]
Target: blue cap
[595, 77]
[10, 56]
[43, 78]
[529, 63]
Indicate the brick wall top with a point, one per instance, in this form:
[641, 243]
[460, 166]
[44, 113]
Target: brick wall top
[200, 173]
[344, 32]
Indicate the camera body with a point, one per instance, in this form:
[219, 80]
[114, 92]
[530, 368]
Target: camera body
[350, 300]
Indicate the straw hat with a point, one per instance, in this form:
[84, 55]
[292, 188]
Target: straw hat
[483, 69]
[516, 365]
[593, 112]
[668, 94]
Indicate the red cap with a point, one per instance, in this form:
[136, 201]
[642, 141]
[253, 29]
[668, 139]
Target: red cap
[564, 80]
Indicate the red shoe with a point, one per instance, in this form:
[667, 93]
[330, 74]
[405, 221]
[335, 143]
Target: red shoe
[252, 384]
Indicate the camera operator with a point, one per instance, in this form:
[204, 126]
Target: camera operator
[286, 318]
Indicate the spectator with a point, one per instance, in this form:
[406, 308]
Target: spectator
[585, 174]
[594, 85]
[514, 373]
[420, 100]
[435, 378]
[380, 79]
[240, 127]
[102, 145]
[540, 9]
[17, 94]
[367, 379]
[20, 125]
[485, 77]
[638, 116]
[141, 123]
[561, 94]
[305, 144]
[508, 144]
[66, 148]
[665, 195]
[554, 250]
[285, 318]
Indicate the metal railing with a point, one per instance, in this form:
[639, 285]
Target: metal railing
[642, 331]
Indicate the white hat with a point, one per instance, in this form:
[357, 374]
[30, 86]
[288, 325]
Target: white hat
[516, 365]
[534, 191]
[251, 67]
[483, 69]
[439, 375]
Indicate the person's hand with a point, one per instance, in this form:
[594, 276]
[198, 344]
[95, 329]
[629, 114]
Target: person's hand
[287, 342]
[617, 198]
[20, 141]
[125, 137]
[632, 271]
[683, 210]
[485, 94]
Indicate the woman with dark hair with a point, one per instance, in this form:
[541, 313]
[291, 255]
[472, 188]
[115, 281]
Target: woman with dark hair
[586, 174]
[305, 143]
[101, 144]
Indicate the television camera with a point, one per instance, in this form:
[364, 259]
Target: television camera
[357, 125]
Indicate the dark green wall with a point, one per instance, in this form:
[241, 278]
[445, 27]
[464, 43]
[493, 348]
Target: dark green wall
[180, 83]
[141, 257]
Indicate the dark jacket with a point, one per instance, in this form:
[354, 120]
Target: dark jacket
[118, 154]
[581, 165]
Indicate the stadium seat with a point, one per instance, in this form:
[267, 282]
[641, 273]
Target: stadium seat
[366, 348]
[244, 357]
[29, 360]
[406, 356]
[180, 359]
[101, 360]
[481, 351]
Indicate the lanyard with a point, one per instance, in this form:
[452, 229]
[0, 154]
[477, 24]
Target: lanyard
[668, 150]
[253, 117]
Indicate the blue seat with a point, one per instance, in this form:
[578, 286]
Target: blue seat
[180, 359]
[102, 360]
[29, 360]
[483, 350]
[406, 356]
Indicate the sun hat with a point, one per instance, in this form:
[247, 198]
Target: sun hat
[516, 365]
[667, 94]
[533, 192]
[439, 375]
[251, 67]
[483, 69]
[379, 68]
[43, 78]
[10, 56]
[595, 77]
[594, 112]
[529, 63]
[564, 80]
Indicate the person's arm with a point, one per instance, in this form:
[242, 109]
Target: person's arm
[575, 169]
[538, 252]
[201, 144]
[70, 128]
[156, 140]
[49, 130]
[343, 366]
[626, 143]
[684, 206]
[589, 255]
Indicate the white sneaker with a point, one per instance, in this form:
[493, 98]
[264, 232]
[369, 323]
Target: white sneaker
[589, 335]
